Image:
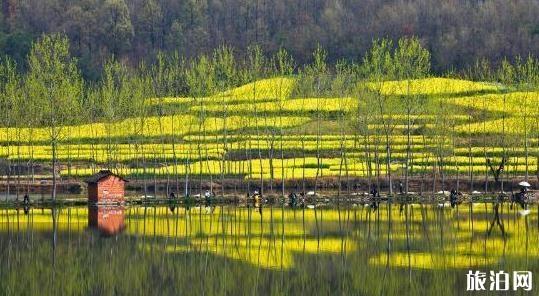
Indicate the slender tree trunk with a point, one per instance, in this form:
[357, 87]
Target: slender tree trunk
[408, 151]
[526, 150]
[54, 168]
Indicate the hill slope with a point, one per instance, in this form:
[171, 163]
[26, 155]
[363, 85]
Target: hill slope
[435, 127]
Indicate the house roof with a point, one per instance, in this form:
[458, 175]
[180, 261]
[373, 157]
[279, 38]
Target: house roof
[101, 175]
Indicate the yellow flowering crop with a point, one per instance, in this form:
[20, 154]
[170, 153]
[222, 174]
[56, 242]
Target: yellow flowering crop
[431, 86]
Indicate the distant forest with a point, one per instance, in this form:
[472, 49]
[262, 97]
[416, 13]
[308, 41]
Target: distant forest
[456, 32]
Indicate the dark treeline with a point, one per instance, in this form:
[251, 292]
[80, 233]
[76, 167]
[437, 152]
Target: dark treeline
[456, 32]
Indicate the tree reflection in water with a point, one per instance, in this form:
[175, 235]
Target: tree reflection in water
[218, 249]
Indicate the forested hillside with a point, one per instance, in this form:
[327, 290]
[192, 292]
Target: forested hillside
[456, 32]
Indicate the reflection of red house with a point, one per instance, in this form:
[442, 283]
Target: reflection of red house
[106, 187]
[108, 220]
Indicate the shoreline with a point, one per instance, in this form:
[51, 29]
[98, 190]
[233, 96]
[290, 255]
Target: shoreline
[418, 185]
[270, 199]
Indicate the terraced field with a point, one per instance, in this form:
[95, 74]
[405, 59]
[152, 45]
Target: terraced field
[265, 130]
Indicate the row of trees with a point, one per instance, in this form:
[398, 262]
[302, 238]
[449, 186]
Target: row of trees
[54, 95]
[457, 32]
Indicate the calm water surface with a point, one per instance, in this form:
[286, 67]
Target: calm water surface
[270, 250]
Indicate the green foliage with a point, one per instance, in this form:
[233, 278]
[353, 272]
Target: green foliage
[256, 62]
[115, 93]
[411, 60]
[408, 60]
[54, 82]
[10, 96]
[225, 68]
[284, 63]
[378, 62]
[200, 78]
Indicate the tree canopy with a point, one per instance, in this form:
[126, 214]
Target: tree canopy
[457, 33]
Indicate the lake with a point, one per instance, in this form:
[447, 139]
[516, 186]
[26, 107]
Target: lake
[405, 249]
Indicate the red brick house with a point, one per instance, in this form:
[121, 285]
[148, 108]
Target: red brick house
[106, 187]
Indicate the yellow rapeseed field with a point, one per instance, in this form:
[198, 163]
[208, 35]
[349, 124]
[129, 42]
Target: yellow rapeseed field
[241, 121]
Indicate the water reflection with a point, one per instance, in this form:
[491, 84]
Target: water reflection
[108, 220]
[217, 249]
[496, 219]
